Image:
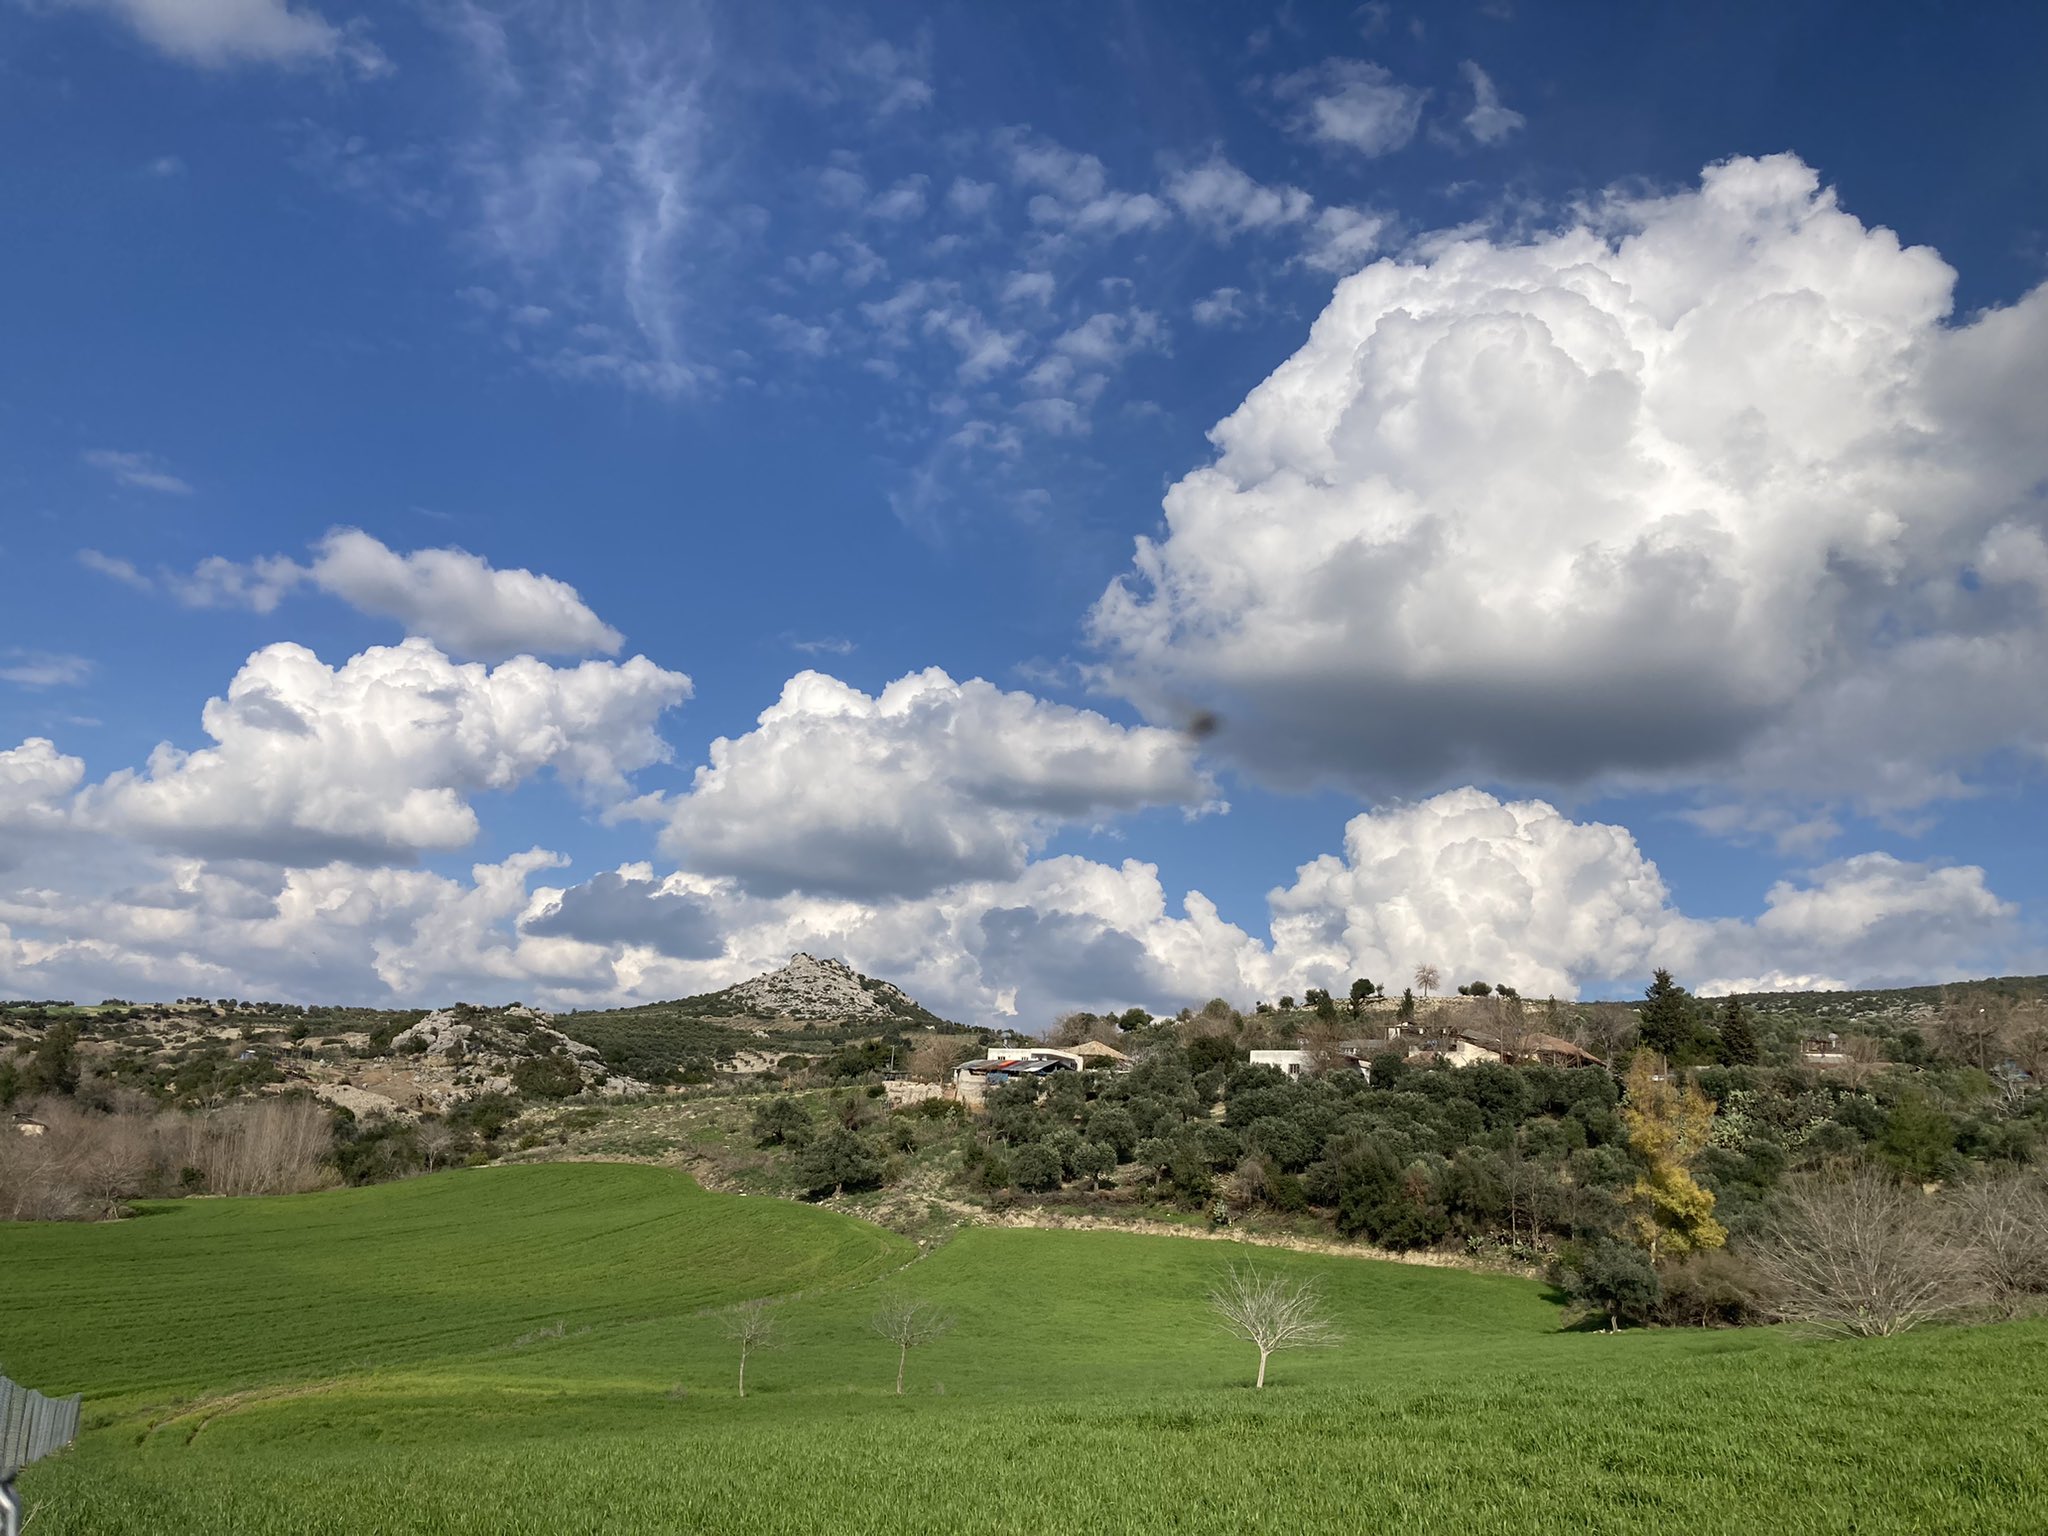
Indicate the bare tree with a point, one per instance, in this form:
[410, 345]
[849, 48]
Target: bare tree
[1507, 1022]
[1426, 979]
[1270, 1312]
[114, 1163]
[933, 1058]
[909, 1323]
[2004, 1220]
[1863, 1256]
[1862, 1059]
[265, 1147]
[437, 1139]
[753, 1326]
[1605, 1029]
[1972, 1025]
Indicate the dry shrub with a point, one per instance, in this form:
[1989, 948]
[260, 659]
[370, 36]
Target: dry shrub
[1712, 1288]
[2004, 1221]
[90, 1165]
[1861, 1255]
[41, 1177]
[264, 1147]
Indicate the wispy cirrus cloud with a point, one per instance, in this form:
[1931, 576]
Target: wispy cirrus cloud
[579, 178]
[1489, 120]
[43, 669]
[1351, 104]
[143, 471]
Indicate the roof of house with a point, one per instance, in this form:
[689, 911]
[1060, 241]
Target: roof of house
[1096, 1048]
[1534, 1043]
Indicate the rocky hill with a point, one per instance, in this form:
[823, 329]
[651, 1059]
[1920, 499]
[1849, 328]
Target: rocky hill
[810, 989]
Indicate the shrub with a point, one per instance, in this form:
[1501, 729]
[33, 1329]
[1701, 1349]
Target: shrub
[2003, 1220]
[838, 1161]
[1710, 1289]
[1036, 1168]
[1612, 1278]
[782, 1121]
[1862, 1256]
[553, 1076]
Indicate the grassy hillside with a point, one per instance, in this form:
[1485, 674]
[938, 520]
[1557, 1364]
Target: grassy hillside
[374, 1360]
[223, 1294]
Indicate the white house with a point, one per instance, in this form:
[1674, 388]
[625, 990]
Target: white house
[1295, 1063]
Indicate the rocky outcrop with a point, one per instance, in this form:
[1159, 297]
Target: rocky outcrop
[489, 1043]
[810, 988]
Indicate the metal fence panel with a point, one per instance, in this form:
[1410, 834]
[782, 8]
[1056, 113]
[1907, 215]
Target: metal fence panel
[32, 1425]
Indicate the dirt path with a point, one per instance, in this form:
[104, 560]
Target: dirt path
[1058, 1221]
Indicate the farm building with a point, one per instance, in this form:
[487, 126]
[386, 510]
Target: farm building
[1006, 1064]
[1351, 1054]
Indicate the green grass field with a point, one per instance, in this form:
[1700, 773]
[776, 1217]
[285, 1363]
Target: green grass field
[384, 1360]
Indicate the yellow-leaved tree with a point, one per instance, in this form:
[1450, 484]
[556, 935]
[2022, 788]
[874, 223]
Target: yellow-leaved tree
[1668, 1128]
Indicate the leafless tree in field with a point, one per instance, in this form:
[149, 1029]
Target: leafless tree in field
[909, 1324]
[1863, 1256]
[753, 1326]
[1271, 1312]
[115, 1161]
[2004, 1221]
[1426, 979]
[437, 1140]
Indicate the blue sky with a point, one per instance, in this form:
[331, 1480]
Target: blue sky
[1585, 462]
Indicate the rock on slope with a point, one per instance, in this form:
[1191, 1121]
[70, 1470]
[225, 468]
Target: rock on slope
[490, 1042]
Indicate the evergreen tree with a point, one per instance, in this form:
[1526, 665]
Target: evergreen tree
[54, 1067]
[836, 1162]
[1738, 1035]
[1669, 1019]
[1617, 1279]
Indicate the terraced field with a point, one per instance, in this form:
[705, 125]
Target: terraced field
[389, 1359]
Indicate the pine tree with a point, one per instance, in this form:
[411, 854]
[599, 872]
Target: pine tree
[1738, 1035]
[1669, 1019]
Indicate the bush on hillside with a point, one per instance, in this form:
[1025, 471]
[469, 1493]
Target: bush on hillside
[838, 1161]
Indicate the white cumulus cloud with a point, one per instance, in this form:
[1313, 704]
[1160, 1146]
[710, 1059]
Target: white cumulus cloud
[458, 600]
[928, 783]
[378, 760]
[1698, 487]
